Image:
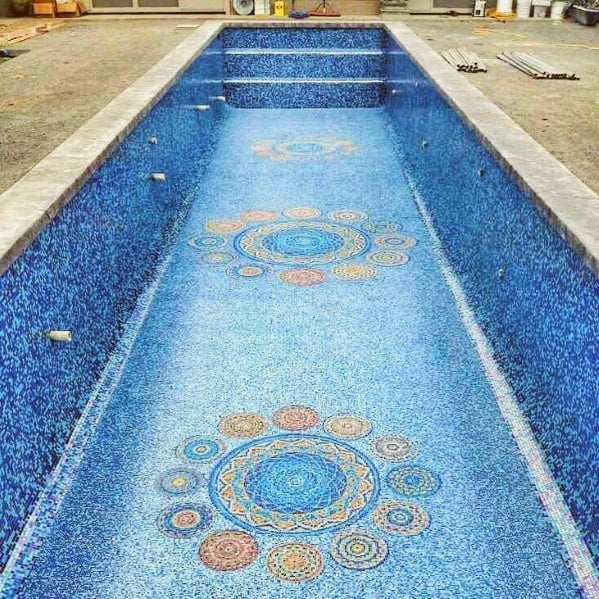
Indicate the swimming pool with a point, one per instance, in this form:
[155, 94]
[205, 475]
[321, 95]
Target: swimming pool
[300, 395]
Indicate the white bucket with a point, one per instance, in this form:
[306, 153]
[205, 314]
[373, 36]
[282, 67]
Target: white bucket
[504, 7]
[539, 12]
[557, 10]
[523, 9]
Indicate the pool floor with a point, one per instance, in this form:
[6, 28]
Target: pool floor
[303, 277]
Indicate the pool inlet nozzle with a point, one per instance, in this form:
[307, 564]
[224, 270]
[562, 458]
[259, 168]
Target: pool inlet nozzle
[425, 143]
[158, 177]
[218, 98]
[202, 107]
[60, 336]
[153, 140]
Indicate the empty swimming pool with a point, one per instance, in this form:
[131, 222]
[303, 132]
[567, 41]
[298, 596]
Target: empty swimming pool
[327, 346]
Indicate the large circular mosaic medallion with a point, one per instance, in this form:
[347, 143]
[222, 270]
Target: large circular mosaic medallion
[184, 520]
[303, 147]
[295, 418]
[301, 243]
[295, 562]
[303, 277]
[294, 484]
[200, 449]
[243, 426]
[413, 481]
[403, 518]
[228, 550]
[359, 549]
[395, 448]
[180, 481]
[347, 426]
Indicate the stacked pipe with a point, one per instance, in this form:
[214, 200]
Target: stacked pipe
[464, 60]
[533, 66]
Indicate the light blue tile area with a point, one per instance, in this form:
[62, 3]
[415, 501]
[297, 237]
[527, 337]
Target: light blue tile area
[391, 349]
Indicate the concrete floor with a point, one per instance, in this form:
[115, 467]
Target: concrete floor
[71, 72]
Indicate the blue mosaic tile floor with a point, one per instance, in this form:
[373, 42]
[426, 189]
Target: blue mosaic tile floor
[303, 412]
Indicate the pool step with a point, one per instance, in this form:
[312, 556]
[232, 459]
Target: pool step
[305, 93]
[296, 63]
[314, 37]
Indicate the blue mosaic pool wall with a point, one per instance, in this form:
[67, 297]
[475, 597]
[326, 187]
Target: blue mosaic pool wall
[304, 68]
[84, 273]
[534, 297]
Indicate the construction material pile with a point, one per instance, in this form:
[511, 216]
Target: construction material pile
[464, 60]
[533, 66]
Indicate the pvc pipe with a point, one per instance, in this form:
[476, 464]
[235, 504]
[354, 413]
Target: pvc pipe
[62, 336]
[158, 177]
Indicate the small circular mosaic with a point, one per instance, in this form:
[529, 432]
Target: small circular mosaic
[243, 426]
[184, 520]
[248, 271]
[294, 484]
[258, 216]
[359, 549]
[302, 212]
[384, 226]
[413, 481]
[303, 277]
[295, 418]
[180, 481]
[228, 550]
[354, 272]
[388, 258]
[401, 518]
[295, 562]
[201, 449]
[224, 226]
[348, 216]
[395, 241]
[395, 448]
[347, 426]
[217, 258]
[301, 243]
[206, 242]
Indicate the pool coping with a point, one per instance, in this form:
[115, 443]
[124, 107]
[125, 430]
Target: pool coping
[33, 201]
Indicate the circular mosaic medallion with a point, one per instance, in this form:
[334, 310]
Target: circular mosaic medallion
[347, 426]
[303, 147]
[348, 216]
[228, 550]
[217, 258]
[395, 241]
[359, 549]
[303, 277]
[206, 242]
[184, 520]
[413, 481]
[248, 271]
[258, 216]
[180, 481]
[295, 562]
[354, 272]
[244, 426]
[201, 449]
[295, 418]
[401, 518]
[384, 226]
[388, 258]
[224, 226]
[301, 243]
[302, 212]
[395, 448]
[294, 484]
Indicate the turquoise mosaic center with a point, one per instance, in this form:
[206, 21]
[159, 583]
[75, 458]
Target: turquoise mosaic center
[294, 484]
[311, 242]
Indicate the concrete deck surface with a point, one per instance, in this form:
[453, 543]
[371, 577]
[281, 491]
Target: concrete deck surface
[72, 72]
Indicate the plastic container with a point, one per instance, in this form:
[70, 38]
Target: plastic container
[523, 9]
[557, 10]
[539, 12]
[504, 7]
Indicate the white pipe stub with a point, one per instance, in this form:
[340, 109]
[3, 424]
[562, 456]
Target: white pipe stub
[158, 177]
[202, 107]
[153, 140]
[60, 336]
[218, 98]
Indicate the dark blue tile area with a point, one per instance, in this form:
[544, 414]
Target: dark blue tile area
[255, 37]
[542, 317]
[305, 95]
[84, 273]
[327, 66]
